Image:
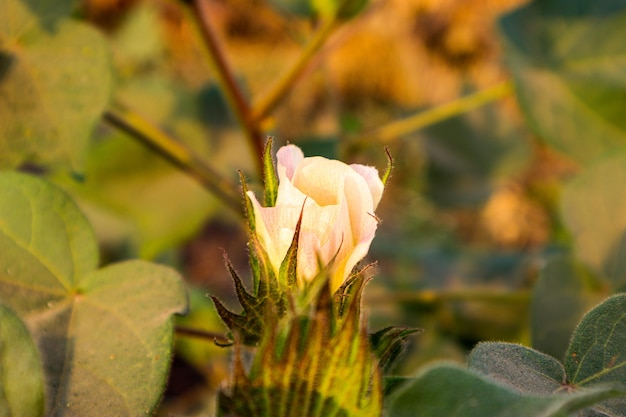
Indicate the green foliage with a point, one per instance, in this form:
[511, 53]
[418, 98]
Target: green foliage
[566, 59]
[597, 353]
[562, 282]
[22, 387]
[452, 391]
[510, 380]
[127, 194]
[593, 209]
[55, 85]
[106, 331]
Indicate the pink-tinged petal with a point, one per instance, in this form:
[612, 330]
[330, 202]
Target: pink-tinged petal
[288, 158]
[370, 174]
[321, 179]
[360, 205]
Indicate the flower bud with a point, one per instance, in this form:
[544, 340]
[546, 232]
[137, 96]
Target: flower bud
[337, 203]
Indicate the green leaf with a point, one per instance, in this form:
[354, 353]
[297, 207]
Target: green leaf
[566, 58]
[593, 207]
[106, 335]
[519, 367]
[451, 391]
[32, 13]
[564, 292]
[127, 194]
[54, 85]
[597, 354]
[22, 387]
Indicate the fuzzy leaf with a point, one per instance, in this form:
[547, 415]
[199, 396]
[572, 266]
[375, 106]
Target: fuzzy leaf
[451, 391]
[597, 354]
[567, 61]
[22, 387]
[519, 367]
[269, 175]
[105, 335]
[55, 82]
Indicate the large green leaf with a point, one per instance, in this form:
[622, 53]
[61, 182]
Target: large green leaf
[105, 335]
[595, 359]
[21, 375]
[54, 84]
[568, 61]
[594, 209]
[451, 391]
[524, 369]
[597, 354]
[562, 282]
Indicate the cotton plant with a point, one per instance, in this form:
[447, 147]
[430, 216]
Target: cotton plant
[312, 354]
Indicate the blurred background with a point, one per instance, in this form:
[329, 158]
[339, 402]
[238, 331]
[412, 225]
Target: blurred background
[470, 216]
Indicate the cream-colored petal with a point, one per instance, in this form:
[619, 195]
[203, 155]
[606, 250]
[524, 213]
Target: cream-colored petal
[370, 174]
[266, 231]
[360, 205]
[321, 179]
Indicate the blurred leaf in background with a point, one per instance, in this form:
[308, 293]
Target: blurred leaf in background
[55, 83]
[567, 61]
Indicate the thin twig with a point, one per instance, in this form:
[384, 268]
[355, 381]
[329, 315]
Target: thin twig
[176, 153]
[268, 102]
[226, 79]
[201, 334]
[461, 105]
[429, 297]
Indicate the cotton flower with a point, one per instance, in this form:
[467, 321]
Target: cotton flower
[337, 202]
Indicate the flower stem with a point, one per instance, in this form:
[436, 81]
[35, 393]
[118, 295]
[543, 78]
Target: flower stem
[430, 297]
[175, 152]
[268, 102]
[226, 79]
[201, 334]
[396, 129]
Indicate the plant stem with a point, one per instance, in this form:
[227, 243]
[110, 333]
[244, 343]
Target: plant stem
[268, 102]
[429, 297]
[201, 334]
[437, 114]
[226, 79]
[177, 153]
